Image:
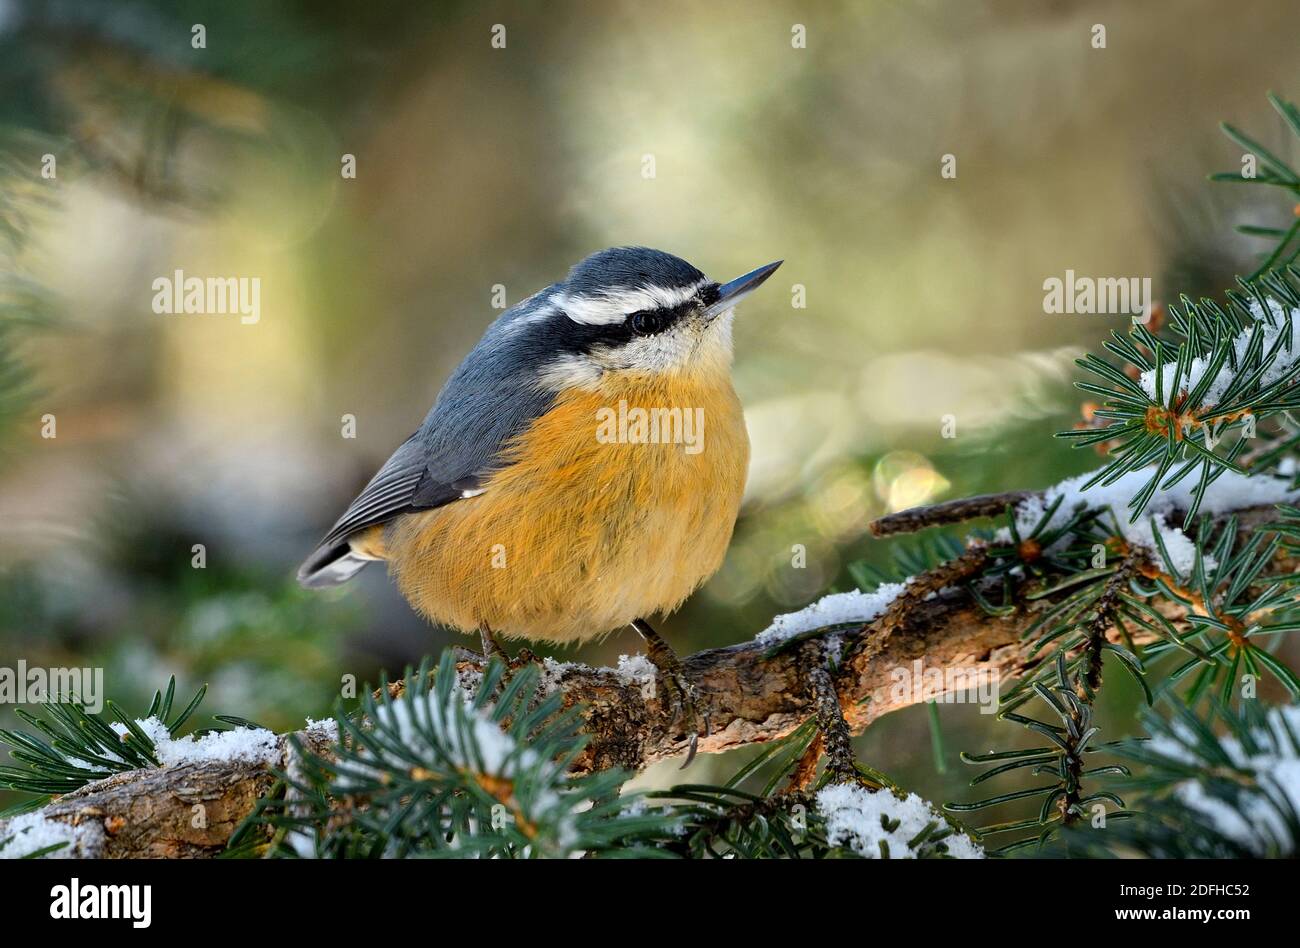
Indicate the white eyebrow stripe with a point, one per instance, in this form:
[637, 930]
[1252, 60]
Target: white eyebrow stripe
[541, 313]
[608, 308]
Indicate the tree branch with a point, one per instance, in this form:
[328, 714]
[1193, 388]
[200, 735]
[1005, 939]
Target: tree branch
[950, 511]
[752, 693]
[180, 812]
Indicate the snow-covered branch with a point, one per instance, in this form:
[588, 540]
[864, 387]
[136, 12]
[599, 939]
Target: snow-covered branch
[753, 692]
[185, 809]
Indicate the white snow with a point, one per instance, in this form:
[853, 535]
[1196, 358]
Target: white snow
[638, 670]
[834, 647]
[255, 745]
[1286, 358]
[853, 819]
[86, 765]
[631, 670]
[153, 727]
[413, 716]
[1232, 491]
[835, 609]
[635, 668]
[32, 832]
[500, 755]
[552, 673]
[468, 680]
[326, 729]
[1279, 773]
[303, 841]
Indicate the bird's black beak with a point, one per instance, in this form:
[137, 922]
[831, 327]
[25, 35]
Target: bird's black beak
[729, 294]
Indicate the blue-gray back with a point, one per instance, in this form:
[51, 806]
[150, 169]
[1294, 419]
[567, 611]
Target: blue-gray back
[489, 398]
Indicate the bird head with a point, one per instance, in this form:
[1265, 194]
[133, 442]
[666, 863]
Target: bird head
[635, 311]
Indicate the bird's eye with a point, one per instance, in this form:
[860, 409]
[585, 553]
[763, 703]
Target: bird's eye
[647, 322]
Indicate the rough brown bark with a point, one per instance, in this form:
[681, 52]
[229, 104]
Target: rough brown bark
[185, 811]
[749, 692]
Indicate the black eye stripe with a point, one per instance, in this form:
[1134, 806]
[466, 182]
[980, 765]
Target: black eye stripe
[564, 335]
[648, 322]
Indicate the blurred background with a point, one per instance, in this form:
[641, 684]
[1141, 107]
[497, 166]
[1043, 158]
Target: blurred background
[905, 297]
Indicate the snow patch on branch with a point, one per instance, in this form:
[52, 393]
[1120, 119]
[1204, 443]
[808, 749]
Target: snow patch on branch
[1230, 492]
[29, 833]
[636, 670]
[553, 673]
[241, 744]
[88, 765]
[1279, 322]
[835, 609]
[326, 729]
[861, 820]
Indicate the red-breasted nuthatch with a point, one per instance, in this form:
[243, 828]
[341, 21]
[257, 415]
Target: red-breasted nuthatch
[580, 470]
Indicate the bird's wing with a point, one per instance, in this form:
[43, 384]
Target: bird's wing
[446, 460]
[391, 491]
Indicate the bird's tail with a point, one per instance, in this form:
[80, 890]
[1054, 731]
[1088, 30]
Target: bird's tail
[331, 565]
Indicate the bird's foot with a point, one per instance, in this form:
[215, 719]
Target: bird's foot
[491, 647]
[680, 691]
[683, 699]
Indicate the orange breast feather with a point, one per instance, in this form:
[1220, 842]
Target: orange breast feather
[589, 524]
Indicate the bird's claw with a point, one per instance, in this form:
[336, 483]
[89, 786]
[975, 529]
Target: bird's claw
[682, 695]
